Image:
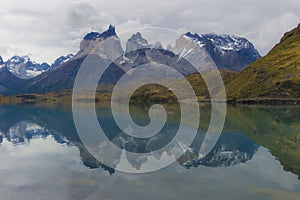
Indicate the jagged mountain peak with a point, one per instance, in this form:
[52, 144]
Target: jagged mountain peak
[18, 59]
[137, 37]
[136, 41]
[93, 39]
[108, 33]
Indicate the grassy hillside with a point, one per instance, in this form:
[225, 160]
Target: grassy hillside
[162, 94]
[276, 75]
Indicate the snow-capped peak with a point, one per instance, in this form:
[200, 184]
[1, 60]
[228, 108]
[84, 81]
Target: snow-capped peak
[222, 42]
[227, 49]
[24, 68]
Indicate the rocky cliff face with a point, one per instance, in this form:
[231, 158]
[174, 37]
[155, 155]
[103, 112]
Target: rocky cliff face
[109, 48]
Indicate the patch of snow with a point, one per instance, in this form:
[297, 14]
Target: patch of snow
[33, 127]
[33, 73]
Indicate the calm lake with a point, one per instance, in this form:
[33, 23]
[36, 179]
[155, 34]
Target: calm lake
[256, 157]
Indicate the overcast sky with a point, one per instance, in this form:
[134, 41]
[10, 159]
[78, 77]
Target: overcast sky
[45, 30]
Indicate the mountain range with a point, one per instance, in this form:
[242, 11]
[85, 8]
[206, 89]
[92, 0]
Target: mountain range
[21, 75]
[245, 73]
[24, 68]
[272, 79]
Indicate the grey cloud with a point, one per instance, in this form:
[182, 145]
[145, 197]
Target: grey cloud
[59, 25]
[81, 14]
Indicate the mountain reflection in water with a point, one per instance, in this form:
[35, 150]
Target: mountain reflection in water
[21, 124]
[256, 157]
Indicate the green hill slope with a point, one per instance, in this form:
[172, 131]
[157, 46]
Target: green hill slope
[276, 75]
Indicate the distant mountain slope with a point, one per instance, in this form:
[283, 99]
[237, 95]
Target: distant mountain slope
[62, 59]
[10, 84]
[59, 78]
[276, 75]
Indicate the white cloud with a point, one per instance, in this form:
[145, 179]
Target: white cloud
[46, 30]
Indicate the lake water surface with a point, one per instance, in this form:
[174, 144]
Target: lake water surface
[256, 157]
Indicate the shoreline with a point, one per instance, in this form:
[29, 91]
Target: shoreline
[67, 98]
[265, 101]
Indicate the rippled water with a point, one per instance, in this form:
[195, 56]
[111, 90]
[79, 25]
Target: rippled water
[256, 157]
